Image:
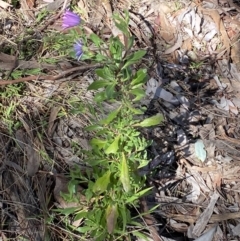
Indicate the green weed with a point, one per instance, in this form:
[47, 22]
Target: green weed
[113, 184]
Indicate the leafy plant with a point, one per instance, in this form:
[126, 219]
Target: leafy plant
[113, 184]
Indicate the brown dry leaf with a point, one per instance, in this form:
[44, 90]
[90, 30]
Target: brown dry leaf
[165, 7]
[52, 118]
[21, 138]
[27, 128]
[53, 6]
[187, 44]
[193, 196]
[149, 219]
[177, 45]
[33, 156]
[83, 5]
[6, 63]
[199, 179]
[235, 52]
[179, 227]
[108, 9]
[27, 12]
[30, 3]
[216, 179]
[205, 216]
[97, 14]
[214, 14]
[166, 29]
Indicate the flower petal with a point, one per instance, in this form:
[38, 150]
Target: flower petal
[70, 19]
[78, 49]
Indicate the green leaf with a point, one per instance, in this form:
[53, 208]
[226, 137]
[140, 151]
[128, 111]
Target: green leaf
[136, 111]
[101, 183]
[110, 117]
[122, 24]
[116, 48]
[110, 91]
[98, 84]
[96, 40]
[152, 121]
[111, 217]
[81, 214]
[124, 216]
[105, 73]
[98, 142]
[140, 235]
[113, 148]
[84, 229]
[99, 57]
[124, 174]
[100, 97]
[138, 195]
[139, 93]
[129, 42]
[93, 128]
[143, 163]
[133, 58]
[67, 211]
[140, 77]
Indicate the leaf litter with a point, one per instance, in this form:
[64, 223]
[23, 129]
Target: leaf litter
[195, 85]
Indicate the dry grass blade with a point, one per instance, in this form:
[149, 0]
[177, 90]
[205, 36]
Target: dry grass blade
[33, 156]
[23, 203]
[52, 118]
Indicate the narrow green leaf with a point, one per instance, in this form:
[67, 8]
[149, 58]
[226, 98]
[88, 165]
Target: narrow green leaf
[93, 128]
[100, 73]
[152, 121]
[98, 84]
[110, 91]
[111, 217]
[121, 24]
[143, 163]
[133, 58]
[124, 174]
[116, 48]
[129, 42]
[99, 57]
[105, 73]
[84, 229]
[124, 216]
[113, 148]
[136, 111]
[80, 215]
[140, 235]
[138, 195]
[67, 211]
[111, 117]
[100, 97]
[96, 40]
[140, 77]
[139, 93]
[101, 183]
[98, 142]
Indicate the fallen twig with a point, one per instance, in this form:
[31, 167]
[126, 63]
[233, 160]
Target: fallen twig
[50, 77]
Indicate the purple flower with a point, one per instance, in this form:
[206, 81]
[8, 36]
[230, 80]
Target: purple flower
[78, 49]
[70, 19]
